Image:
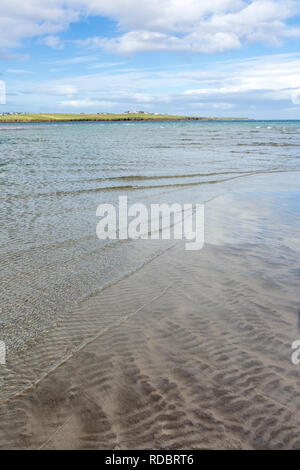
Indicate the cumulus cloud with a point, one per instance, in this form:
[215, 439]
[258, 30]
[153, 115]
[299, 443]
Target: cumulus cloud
[20, 20]
[190, 25]
[207, 27]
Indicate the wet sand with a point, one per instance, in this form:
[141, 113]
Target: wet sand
[190, 351]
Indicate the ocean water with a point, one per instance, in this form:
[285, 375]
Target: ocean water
[53, 177]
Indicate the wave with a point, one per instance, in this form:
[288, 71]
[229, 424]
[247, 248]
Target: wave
[266, 144]
[157, 177]
[130, 187]
[133, 187]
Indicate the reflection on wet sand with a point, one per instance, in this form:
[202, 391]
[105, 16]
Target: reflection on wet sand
[192, 350]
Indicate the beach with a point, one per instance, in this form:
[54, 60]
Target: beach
[141, 344]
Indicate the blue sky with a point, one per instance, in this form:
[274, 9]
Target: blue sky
[195, 57]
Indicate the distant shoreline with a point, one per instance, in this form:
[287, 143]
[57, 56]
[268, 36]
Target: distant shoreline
[60, 117]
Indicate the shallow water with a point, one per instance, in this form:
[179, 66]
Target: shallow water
[122, 330]
[188, 350]
[53, 177]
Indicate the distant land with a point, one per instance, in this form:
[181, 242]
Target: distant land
[60, 117]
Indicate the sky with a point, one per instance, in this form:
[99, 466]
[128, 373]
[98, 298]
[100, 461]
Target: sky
[238, 58]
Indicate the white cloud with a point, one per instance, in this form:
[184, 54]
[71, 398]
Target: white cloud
[86, 103]
[196, 42]
[92, 43]
[295, 96]
[18, 71]
[103, 65]
[219, 106]
[60, 89]
[52, 41]
[209, 26]
[190, 25]
[262, 81]
[73, 60]
[33, 18]
[273, 77]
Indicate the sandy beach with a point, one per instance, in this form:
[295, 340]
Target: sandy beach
[190, 351]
